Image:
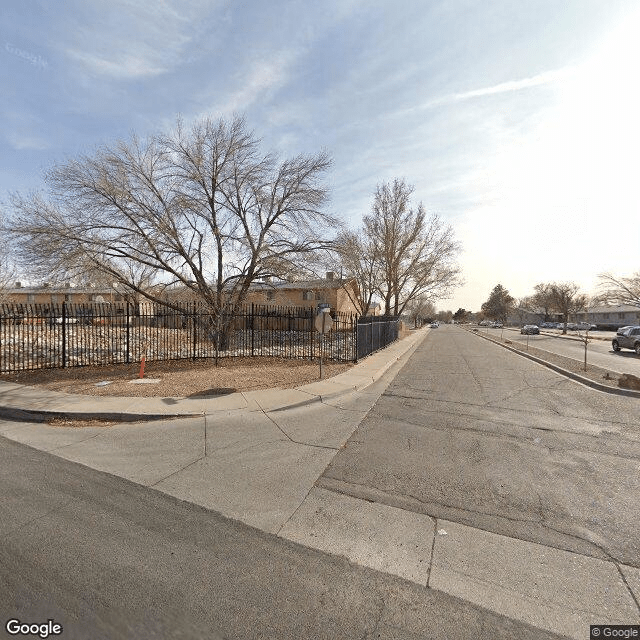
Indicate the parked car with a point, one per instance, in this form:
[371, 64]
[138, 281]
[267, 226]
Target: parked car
[627, 338]
[530, 329]
[434, 325]
[497, 325]
[54, 320]
[586, 326]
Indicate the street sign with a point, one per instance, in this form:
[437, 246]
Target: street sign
[323, 321]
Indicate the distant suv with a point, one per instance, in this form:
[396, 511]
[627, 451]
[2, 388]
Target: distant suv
[627, 338]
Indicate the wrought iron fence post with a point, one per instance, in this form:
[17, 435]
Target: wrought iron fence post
[252, 330]
[128, 335]
[311, 334]
[371, 337]
[195, 330]
[64, 334]
[354, 328]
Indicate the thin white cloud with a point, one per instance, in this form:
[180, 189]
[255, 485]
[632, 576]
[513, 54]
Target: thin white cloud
[27, 142]
[122, 65]
[128, 40]
[511, 86]
[546, 77]
[261, 77]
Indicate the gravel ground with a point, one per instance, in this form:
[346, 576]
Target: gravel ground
[180, 378]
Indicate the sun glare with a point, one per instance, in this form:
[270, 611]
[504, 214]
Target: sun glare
[555, 191]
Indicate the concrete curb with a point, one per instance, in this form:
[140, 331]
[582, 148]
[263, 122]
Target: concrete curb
[565, 372]
[377, 364]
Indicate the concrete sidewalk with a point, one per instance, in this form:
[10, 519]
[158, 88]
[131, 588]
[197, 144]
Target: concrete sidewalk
[258, 457]
[32, 403]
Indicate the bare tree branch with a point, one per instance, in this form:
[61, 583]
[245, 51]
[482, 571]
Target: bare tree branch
[618, 290]
[400, 254]
[201, 208]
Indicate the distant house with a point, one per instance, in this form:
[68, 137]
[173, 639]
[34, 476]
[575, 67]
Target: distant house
[375, 309]
[611, 316]
[55, 294]
[520, 316]
[620, 315]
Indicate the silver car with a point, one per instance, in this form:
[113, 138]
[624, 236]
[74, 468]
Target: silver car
[627, 338]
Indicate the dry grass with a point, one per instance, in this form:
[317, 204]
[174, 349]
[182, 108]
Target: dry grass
[180, 378]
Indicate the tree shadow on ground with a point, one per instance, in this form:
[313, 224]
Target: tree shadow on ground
[214, 391]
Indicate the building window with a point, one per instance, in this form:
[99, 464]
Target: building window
[307, 295]
[621, 316]
[271, 295]
[605, 316]
[31, 298]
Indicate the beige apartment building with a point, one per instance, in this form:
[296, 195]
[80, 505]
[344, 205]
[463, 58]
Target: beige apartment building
[56, 294]
[340, 295]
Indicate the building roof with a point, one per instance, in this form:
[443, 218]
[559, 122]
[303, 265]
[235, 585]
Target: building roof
[618, 308]
[58, 289]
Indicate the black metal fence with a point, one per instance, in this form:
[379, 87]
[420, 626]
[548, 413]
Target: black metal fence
[374, 333]
[38, 336]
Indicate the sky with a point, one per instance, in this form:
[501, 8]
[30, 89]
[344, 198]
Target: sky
[517, 122]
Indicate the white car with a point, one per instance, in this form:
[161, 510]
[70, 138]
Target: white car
[58, 320]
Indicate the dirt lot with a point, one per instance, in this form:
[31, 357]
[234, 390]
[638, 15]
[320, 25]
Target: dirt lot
[180, 378]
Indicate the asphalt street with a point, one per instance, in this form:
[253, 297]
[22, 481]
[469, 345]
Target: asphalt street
[110, 559]
[475, 434]
[599, 352]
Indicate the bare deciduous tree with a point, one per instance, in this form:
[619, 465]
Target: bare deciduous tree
[445, 316]
[201, 207]
[401, 253]
[359, 258]
[543, 299]
[566, 299]
[7, 271]
[420, 309]
[619, 290]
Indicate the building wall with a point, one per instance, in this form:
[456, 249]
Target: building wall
[310, 295]
[612, 315]
[292, 297]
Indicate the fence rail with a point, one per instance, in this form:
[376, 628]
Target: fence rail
[39, 336]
